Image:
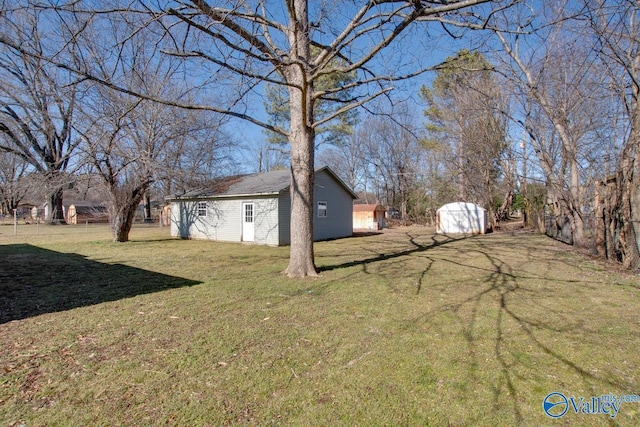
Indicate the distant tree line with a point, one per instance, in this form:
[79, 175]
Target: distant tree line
[57, 127]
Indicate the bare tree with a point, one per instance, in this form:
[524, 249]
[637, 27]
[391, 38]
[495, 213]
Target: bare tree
[14, 182]
[37, 101]
[132, 141]
[251, 39]
[553, 74]
[616, 27]
[464, 111]
[393, 157]
[347, 159]
[137, 143]
[271, 41]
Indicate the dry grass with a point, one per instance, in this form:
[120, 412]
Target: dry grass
[402, 328]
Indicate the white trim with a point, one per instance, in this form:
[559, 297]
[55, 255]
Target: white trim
[248, 221]
[202, 208]
[322, 208]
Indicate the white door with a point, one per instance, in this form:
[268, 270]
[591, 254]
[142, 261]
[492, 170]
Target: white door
[248, 216]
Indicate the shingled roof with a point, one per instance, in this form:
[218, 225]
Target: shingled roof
[256, 184]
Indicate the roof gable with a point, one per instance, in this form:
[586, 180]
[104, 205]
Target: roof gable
[337, 179]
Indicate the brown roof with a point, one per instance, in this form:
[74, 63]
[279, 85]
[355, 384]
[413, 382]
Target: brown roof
[368, 208]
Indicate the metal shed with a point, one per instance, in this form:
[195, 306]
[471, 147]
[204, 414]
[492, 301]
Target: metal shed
[257, 208]
[461, 218]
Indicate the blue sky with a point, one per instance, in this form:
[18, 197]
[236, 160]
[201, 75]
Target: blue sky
[412, 47]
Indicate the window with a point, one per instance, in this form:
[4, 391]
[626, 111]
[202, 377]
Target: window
[248, 213]
[202, 208]
[322, 209]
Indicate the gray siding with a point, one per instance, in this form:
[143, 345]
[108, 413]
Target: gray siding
[186, 223]
[218, 224]
[266, 221]
[284, 217]
[224, 220]
[272, 216]
[339, 219]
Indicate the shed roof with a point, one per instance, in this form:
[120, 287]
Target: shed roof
[368, 208]
[257, 184]
[461, 206]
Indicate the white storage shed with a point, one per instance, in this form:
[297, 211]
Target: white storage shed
[461, 218]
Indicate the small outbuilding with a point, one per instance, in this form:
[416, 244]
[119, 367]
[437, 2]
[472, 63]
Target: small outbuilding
[461, 218]
[82, 212]
[257, 208]
[165, 215]
[368, 217]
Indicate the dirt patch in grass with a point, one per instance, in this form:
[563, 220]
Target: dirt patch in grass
[402, 328]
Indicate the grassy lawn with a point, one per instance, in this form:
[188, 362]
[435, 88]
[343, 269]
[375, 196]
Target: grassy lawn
[402, 328]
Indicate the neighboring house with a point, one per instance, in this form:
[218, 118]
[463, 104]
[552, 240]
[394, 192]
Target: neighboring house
[256, 208]
[83, 212]
[461, 218]
[369, 217]
[22, 212]
[165, 215]
[44, 210]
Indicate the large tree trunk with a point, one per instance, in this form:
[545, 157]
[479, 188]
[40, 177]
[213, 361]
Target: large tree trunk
[575, 206]
[578, 235]
[569, 224]
[627, 189]
[505, 208]
[616, 207]
[600, 218]
[124, 205]
[302, 140]
[301, 258]
[147, 208]
[122, 223]
[56, 211]
[631, 190]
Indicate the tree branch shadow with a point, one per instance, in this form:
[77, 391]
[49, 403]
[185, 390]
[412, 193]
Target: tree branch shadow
[504, 282]
[504, 285]
[385, 256]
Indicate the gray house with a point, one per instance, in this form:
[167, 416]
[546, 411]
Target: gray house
[256, 208]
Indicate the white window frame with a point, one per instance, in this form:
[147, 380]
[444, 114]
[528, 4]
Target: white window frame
[322, 209]
[246, 211]
[202, 208]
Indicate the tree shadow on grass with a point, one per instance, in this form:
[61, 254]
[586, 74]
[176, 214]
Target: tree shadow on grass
[36, 281]
[515, 308]
[384, 256]
[506, 284]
